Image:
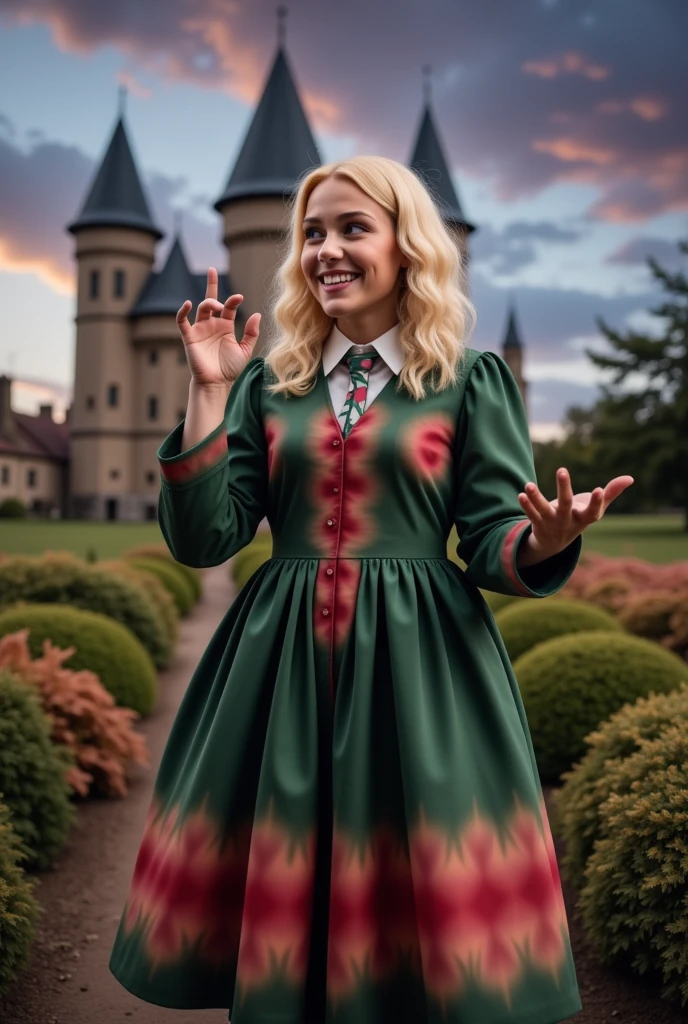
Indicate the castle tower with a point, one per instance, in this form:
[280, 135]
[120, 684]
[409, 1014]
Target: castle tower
[115, 248]
[512, 351]
[277, 149]
[430, 164]
[161, 376]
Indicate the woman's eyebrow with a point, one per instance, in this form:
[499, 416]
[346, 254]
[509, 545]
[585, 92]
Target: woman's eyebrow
[342, 216]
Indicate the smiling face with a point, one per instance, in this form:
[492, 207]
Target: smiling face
[351, 238]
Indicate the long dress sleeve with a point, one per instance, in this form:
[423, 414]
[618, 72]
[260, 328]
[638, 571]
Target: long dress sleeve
[494, 461]
[213, 495]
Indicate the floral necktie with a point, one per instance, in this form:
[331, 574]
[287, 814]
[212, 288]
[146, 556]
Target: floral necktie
[359, 366]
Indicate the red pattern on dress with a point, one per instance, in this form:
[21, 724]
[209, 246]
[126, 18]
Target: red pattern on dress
[191, 466]
[482, 903]
[427, 442]
[507, 556]
[275, 429]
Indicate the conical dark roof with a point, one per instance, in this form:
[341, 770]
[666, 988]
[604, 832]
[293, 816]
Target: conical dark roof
[429, 163]
[165, 292]
[116, 198]
[278, 146]
[512, 338]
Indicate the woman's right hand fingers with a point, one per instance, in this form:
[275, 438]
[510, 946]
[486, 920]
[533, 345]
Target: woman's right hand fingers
[207, 307]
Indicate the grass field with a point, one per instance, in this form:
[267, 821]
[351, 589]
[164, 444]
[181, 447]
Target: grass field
[655, 538]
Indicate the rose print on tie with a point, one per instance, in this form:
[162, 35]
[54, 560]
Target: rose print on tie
[355, 402]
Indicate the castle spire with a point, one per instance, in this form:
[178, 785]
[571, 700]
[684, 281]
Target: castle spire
[279, 145]
[512, 338]
[165, 292]
[430, 164]
[116, 197]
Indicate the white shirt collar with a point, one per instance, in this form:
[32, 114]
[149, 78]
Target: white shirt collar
[387, 345]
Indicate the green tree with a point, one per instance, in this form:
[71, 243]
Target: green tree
[646, 428]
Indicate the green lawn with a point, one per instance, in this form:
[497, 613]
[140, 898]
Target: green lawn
[656, 538]
[106, 540]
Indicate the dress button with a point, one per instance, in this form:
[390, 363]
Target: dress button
[329, 571]
[335, 443]
[326, 611]
[335, 490]
[330, 522]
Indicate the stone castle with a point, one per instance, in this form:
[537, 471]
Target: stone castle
[131, 376]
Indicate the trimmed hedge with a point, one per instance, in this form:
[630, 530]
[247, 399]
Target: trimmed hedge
[496, 602]
[576, 805]
[522, 627]
[155, 590]
[103, 646]
[33, 773]
[249, 560]
[571, 684]
[19, 908]
[193, 576]
[65, 579]
[634, 904]
[178, 587]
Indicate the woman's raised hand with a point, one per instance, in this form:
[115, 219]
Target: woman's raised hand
[214, 355]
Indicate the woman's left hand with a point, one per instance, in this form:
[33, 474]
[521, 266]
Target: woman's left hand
[556, 523]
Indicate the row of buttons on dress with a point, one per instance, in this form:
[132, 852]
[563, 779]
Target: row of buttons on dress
[331, 522]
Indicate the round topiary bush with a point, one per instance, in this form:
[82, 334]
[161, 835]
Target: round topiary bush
[247, 561]
[496, 602]
[103, 646]
[522, 626]
[156, 592]
[64, 579]
[634, 903]
[193, 576]
[576, 805]
[12, 508]
[178, 587]
[651, 614]
[570, 685]
[19, 908]
[33, 773]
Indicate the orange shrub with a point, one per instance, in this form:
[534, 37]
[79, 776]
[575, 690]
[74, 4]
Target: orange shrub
[83, 716]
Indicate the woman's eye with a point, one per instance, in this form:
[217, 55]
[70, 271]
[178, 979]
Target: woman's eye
[351, 224]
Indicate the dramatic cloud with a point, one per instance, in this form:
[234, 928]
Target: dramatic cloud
[516, 246]
[637, 250]
[527, 95]
[43, 190]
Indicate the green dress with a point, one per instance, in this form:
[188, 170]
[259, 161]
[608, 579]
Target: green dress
[347, 824]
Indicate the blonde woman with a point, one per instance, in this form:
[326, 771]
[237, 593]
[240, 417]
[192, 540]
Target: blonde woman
[347, 823]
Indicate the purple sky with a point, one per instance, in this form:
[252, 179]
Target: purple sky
[564, 124]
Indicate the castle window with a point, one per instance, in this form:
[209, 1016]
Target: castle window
[113, 395]
[5, 474]
[31, 477]
[94, 284]
[150, 477]
[152, 407]
[90, 402]
[114, 474]
[153, 355]
[119, 284]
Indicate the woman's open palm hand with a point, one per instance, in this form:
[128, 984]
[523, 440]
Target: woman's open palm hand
[215, 357]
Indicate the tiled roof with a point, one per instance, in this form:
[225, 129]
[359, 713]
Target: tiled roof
[37, 436]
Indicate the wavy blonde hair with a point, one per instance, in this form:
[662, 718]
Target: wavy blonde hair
[435, 313]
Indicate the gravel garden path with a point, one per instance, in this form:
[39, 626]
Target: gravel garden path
[67, 980]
